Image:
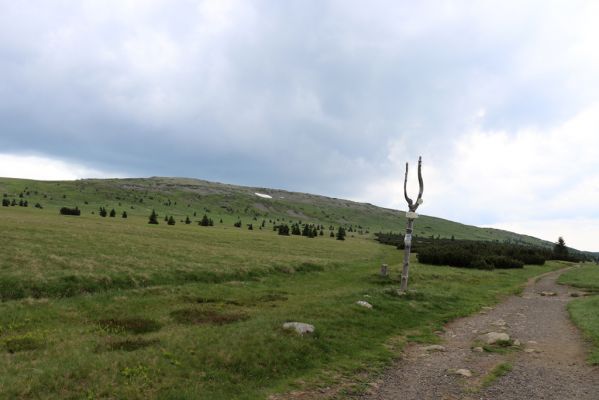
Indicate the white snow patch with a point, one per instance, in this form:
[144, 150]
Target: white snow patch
[264, 196]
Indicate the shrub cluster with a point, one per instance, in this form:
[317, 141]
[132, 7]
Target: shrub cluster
[481, 255]
[70, 211]
[282, 229]
[469, 253]
[7, 203]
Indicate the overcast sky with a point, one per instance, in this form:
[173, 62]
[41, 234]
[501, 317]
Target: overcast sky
[501, 99]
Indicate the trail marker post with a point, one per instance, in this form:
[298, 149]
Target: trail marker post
[411, 216]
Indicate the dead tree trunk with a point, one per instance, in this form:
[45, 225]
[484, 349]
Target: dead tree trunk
[411, 215]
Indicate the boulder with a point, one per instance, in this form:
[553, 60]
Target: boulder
[494, 337]
[364, 304]
[300, 327]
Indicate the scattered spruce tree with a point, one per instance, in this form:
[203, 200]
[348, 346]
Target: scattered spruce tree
[124, 214]
[103, 212]
[250, 227]
[205, 221]
[237, 224]
[171, 220]
[165, 218]
[560, 251]
[153, 218]
[332, 234]
[307, 231]
[283, 230]
[295, 230]
[341, 233]
[112, 213]
[187, 220]
[5, 202]
[321, 232]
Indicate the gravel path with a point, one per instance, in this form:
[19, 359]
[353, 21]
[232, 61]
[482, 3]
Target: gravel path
[549, 363]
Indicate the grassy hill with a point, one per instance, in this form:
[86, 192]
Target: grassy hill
[183, 197]
[106, 308]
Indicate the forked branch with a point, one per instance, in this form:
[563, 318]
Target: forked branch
[411, 205]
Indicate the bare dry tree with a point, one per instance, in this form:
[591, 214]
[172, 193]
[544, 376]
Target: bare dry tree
[411, 215]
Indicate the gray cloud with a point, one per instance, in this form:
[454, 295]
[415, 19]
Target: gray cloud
[304, 95]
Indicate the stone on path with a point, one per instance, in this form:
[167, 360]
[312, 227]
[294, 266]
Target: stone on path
[363, 303]
[494, 337]
[464, 372]
[434, 347]
[478, 349]
[299, 327]
[548, 294]
[529, 350]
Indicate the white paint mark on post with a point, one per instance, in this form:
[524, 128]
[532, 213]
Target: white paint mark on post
[411, 215]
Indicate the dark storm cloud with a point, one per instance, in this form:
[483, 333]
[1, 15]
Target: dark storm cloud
[328, 97]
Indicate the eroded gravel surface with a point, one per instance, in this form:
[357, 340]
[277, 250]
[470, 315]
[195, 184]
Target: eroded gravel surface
[549, 364]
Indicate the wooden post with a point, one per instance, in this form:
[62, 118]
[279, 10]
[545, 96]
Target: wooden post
[384, 270]
[411, 215]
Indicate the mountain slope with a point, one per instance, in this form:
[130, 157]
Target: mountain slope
[183, 197]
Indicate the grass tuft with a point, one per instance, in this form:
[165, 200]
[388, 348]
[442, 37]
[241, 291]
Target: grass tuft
[496, 373]
[129, 325]
[129, 344]
[201, 316]
[25, 342]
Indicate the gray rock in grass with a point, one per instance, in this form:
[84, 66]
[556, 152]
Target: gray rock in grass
[300, 327]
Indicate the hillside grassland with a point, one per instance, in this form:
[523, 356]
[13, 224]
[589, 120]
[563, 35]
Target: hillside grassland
[104, 308]
[585, 311]
[183, 197]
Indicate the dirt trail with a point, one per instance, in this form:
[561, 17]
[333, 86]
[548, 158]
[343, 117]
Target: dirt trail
[550, 363]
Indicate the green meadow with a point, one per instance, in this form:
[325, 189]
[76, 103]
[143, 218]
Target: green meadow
[111, 308]
[585, 311]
